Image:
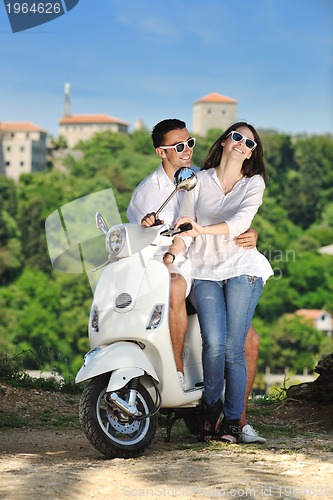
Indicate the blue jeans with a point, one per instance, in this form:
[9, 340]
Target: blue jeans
[225, 310]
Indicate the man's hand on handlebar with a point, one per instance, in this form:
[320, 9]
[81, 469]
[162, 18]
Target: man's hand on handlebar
[150, 220]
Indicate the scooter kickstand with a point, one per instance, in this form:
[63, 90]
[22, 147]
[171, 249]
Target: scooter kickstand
[171, 419]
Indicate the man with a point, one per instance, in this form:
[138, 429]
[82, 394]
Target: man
[174, 145]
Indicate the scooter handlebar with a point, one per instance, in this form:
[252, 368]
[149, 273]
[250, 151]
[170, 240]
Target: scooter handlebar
[174, 231]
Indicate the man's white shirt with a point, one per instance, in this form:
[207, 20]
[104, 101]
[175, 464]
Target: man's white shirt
[148, 197]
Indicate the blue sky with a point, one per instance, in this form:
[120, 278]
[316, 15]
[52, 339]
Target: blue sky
[146, 59]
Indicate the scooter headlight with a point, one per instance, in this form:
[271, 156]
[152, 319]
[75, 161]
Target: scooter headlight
[115, 239]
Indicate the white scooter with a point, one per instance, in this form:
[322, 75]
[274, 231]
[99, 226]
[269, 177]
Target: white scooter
[131, 366]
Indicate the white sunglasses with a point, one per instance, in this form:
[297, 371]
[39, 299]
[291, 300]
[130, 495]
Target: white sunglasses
[238, 137]
[179, 148]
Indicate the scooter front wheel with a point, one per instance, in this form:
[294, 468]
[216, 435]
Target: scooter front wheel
[112, 432]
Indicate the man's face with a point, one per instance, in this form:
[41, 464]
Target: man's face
[171, 156]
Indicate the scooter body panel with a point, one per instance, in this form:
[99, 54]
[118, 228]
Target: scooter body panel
[125, 297]
[114, 357]
[146, 283]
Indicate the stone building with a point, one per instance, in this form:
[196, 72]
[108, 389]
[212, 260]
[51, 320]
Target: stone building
[76, 128]
[22, 149]
[213, 111]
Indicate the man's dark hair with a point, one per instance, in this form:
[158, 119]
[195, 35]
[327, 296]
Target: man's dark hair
[163, 128]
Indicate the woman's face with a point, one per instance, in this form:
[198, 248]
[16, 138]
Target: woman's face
[239, 149]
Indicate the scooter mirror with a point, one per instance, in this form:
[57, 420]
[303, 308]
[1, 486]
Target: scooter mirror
[101, 224]
[185, 179]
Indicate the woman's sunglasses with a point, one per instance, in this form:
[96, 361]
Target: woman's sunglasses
[238, 137]
[190, 143]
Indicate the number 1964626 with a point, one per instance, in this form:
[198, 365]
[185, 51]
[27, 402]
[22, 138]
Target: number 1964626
[35, 8]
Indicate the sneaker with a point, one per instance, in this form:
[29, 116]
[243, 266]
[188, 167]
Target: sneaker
[181, 379]
[250, 435]
[229, 431]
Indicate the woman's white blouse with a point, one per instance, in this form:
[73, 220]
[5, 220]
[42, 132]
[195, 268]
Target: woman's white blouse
[217, 257]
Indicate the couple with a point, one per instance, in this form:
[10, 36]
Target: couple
[226, 274]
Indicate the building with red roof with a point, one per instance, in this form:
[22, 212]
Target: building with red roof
[76, 128]
[22, 149]
[213, 111]
[319, 318]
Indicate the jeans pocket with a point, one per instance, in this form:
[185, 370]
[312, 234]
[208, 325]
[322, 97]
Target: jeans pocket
[256, 283]
[253, 279]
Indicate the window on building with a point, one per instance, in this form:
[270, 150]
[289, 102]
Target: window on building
[21, 163]
[27, 135]
[8, 148]
[7, 163]
[209, 111]
[22, 149]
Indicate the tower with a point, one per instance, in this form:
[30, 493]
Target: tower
[67, 101]
[213, 111]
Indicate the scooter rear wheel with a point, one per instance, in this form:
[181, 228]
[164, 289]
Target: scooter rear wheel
[109, 430]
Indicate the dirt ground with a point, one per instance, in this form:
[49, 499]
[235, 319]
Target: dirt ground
[43, 460]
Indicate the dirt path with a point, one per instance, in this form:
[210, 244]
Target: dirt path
[61, 464]
[44, 462]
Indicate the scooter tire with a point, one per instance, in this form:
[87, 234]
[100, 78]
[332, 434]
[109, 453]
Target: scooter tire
[107, 429]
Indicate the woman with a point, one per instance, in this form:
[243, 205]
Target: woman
[228, 279]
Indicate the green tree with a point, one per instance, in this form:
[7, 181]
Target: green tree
[279, 159]
[99, 153]
[314, 156]
[308, 276]
[141, 141]
[311, 187]
[33, 239]
[59, 142]
[295, 201]
[8, 196]
[295, 344]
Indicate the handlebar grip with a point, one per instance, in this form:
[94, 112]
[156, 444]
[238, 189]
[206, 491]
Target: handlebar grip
[187, 226]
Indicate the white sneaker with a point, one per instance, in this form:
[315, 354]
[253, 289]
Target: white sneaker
[249, 435]
[181, 379]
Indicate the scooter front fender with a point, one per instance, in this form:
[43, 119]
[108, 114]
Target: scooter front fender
[126, 357]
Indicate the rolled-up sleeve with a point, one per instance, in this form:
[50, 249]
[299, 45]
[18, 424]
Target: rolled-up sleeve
[248, 208]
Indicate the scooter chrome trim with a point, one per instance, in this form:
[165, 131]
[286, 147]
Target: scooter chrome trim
[123, 405]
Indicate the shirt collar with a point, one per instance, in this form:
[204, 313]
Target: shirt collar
[162, 178]
[239, 183]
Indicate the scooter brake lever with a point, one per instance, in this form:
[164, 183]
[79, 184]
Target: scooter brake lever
[187, 226]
